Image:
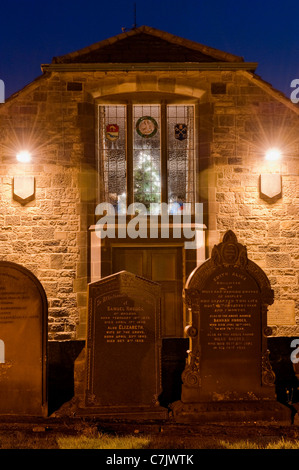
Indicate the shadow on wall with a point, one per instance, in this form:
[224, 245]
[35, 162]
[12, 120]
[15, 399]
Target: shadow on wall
[61, 359]
[287, 383]
[62, 356]
[174, 354]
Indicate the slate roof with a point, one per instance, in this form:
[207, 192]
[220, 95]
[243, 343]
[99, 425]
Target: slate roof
[146, 45]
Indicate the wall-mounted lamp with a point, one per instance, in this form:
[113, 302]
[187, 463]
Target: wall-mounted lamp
[24, 186]
[270, 183]
[24, 156]
[273, 154]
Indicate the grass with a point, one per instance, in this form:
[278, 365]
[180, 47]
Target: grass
[279, 444]
[86, 440]
[103, 441]
[144, 442]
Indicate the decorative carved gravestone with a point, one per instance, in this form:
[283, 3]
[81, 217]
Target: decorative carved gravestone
[23, 339]
[124, 347]
[228, 375]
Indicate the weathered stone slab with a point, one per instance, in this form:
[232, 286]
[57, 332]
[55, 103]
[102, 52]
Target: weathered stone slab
[282, 313]
[124, 347]
[23, 338]
[228, 372]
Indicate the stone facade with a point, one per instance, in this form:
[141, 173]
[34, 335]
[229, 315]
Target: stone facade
[238, 116]
[245, 121]
[49, 234]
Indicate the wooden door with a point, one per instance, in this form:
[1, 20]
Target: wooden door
[162, 265]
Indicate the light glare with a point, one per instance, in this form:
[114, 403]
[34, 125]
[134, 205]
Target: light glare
[24, 156]
[273, 154]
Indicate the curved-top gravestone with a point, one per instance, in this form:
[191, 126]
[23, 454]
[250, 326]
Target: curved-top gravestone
[23, 339]
[228, 375]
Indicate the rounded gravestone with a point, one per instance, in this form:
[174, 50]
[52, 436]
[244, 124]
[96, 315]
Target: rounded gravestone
[23, 338]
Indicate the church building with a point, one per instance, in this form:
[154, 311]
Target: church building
[149, 120]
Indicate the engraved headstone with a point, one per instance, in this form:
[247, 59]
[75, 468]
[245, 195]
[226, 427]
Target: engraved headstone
[23, 340]
[124, 347]
[228, 375]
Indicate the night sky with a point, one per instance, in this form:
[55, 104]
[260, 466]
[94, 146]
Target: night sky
[32, 31]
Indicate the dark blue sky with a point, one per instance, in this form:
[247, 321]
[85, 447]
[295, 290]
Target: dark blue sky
[33, 31]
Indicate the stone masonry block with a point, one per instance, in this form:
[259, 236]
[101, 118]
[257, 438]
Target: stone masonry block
[43, 233]
[278, 260]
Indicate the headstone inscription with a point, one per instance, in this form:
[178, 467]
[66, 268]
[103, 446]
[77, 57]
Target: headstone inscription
[124, 347]
[23, 342]
[228, 375]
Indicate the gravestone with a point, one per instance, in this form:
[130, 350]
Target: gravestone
[23, 340]
[228, 375]
[124, 347]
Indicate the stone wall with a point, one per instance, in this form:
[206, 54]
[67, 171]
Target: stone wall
[49, 234]
[247, 120]
[238, 117]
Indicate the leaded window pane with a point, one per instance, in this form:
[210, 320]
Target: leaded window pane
[112, 120]
[180, 146]
[146, 154]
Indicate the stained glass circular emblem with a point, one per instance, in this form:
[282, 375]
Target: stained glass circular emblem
[146, 126]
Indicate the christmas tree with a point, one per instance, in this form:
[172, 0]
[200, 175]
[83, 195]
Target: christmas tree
[146, 181]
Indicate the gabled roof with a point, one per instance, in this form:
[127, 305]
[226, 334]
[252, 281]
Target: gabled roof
[166, 51]
[146, 45]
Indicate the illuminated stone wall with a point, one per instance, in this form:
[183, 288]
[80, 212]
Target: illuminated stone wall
[238, 118]
[244, 122]
[48, 235]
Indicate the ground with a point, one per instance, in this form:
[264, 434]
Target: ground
[45, 434]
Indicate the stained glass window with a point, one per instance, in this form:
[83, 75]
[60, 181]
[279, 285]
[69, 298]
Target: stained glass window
[147, 155]
[134, 142]
[112, 143]
[180, 147]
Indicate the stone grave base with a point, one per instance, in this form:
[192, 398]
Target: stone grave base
[125, 413]
[259, 411]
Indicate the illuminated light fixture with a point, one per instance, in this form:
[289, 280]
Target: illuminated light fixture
[23, 188]
[271, 183]
[24, 156]
[273, 154]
